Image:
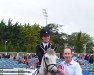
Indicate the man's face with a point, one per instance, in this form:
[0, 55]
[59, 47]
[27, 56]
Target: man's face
[46, 38]
[67, 55]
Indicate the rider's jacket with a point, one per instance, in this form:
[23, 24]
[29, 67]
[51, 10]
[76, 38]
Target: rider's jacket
[41, 50]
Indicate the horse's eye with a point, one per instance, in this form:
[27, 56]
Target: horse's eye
[46, 58]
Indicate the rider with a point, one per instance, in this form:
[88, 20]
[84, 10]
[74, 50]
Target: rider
[41, 48]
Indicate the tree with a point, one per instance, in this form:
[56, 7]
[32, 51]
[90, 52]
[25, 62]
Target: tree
[56, 36]
[2, 34]
[77, 40]
[53, 27]
[29, 37]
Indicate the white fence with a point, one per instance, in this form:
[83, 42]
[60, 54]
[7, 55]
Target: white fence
[17, 71]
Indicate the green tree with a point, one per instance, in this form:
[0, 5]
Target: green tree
[2, 35]
[30, 37]
[77, 40]
[56, 37]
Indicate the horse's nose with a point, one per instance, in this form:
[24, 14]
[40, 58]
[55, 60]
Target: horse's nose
[54, 69]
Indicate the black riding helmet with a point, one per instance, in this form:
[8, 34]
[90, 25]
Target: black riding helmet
[45, 32]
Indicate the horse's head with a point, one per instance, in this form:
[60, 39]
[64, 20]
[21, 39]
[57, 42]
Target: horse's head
[48, 64]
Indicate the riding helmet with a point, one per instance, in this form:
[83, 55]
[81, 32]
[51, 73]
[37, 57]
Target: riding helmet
[45, 32]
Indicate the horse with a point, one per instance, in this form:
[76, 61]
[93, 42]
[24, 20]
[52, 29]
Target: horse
[48, 64]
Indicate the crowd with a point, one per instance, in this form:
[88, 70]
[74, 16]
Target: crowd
[20, 58]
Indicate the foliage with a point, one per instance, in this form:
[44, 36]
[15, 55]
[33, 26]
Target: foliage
[20, 38]
[57, 38]
[78, 40]
[24, 38]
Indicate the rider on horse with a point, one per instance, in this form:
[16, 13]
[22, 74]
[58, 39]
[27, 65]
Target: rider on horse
[41, 48]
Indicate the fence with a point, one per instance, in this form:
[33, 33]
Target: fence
[16, 71]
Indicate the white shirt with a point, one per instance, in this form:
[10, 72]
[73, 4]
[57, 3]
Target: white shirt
[73, 68]
[44, 44]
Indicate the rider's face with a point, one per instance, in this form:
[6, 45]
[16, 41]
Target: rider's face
[46, 38]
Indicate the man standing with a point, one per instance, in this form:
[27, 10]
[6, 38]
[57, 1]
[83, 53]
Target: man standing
[69, 66]
[44, 45]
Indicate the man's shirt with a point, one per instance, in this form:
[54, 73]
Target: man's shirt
[73, 68]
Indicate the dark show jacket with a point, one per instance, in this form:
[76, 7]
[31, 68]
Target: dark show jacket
[40, 50]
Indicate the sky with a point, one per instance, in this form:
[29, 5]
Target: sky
[75, 15]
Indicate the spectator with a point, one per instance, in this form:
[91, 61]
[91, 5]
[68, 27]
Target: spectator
[86, 57]
[91, 59]
[69, 66]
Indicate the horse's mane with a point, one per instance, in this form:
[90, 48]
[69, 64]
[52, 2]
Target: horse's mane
[50, 51]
